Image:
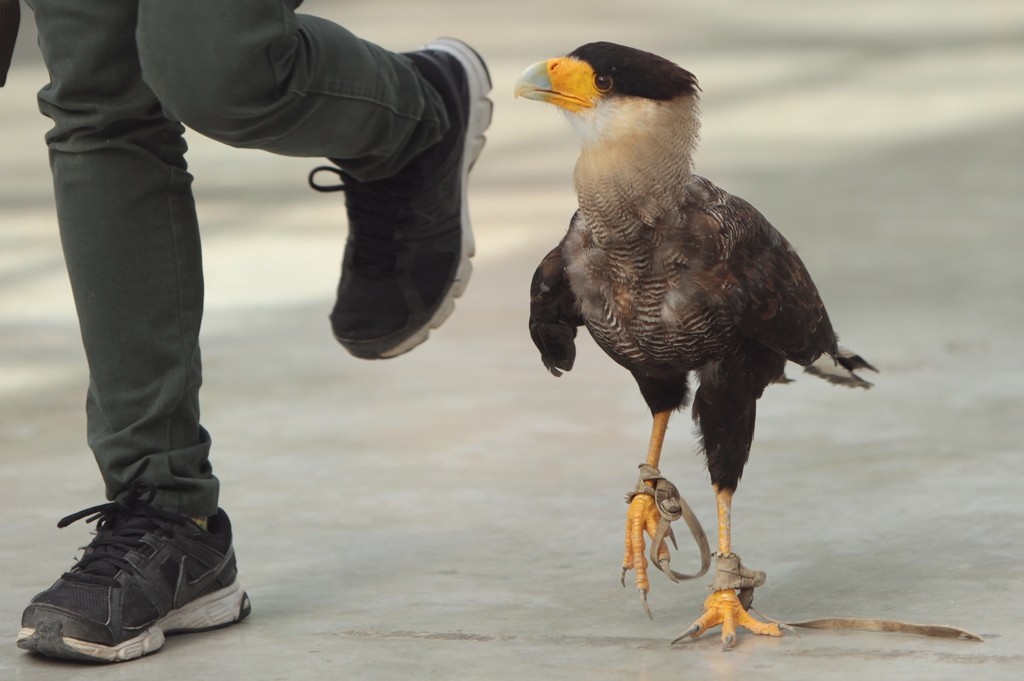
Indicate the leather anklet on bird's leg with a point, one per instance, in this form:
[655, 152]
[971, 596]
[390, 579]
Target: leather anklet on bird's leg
[653, 505]
[724, 606]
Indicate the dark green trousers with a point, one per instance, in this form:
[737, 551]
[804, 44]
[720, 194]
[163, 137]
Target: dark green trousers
[124, 76]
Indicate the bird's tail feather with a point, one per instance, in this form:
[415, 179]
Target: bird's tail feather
[839, 369]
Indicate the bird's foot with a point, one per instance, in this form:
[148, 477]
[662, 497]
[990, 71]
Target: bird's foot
[724, 607]
[643, 515]
[654, 504]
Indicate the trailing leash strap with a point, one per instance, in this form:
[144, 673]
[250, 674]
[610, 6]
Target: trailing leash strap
[730, 574]
[10, 20]
[859, 624]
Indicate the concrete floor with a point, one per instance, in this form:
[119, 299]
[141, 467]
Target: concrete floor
[456, 513]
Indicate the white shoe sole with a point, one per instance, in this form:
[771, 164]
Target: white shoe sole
[214, 610]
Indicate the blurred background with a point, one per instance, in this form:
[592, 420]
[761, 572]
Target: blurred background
[455, 513]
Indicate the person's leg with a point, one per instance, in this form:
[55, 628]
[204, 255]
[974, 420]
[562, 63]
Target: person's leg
[161, 558]
[131, 243]
[252, 73]
[403, 129]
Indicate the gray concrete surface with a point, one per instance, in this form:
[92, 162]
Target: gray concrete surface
[456, 513]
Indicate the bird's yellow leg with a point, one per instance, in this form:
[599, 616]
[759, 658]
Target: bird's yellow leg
[723, 607]
[657, 437]
[643, 515]
[724, 502]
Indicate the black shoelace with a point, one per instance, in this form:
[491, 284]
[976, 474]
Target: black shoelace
[373, 214]
[120, 529]
[375, 211]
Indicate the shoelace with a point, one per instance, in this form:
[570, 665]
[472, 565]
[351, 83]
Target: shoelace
[373, 214]
[375, 211]
[120, 529]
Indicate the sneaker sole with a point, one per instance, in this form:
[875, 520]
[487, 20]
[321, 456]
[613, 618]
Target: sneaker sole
[480, 110]
[213, 611]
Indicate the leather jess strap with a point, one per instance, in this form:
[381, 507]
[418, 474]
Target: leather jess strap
[672, 507]
[10, 19]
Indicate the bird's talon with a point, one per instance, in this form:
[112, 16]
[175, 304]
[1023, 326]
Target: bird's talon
[622, 575]
[728, 642]
[692, 632]
[643, 599]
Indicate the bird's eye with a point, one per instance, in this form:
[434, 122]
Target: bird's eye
[603, 82]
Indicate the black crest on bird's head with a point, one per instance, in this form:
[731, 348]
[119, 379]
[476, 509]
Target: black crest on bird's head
[637, 73]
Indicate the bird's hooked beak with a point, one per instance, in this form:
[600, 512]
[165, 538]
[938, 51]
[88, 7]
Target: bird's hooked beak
[564, 82]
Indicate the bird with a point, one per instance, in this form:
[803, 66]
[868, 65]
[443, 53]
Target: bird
[677, 281]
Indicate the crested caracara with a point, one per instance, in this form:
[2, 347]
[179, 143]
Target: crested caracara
[672, 276]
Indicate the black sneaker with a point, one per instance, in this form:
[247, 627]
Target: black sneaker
[147, 573]
[410, 239]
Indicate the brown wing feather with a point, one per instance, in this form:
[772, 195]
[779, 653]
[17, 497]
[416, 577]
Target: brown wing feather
[553, 314]
[772, 295]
